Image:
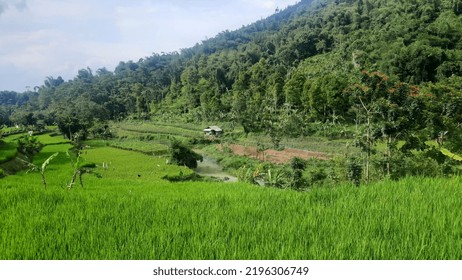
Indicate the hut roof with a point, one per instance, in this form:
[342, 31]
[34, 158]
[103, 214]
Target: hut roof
[213, 128]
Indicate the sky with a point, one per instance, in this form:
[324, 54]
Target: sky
[42, 38]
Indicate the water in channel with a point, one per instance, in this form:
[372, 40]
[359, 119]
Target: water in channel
[210, 168]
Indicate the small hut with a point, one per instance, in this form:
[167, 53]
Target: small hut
[213, 131]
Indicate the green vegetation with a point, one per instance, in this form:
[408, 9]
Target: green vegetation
[8, 150]
[43, 168]
[182, 155]
[376, 72]
[132, 213]
[374, 84]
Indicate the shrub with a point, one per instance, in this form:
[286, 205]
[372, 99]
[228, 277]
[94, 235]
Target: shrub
[182, 155]
[102, 131]
[297, 166]
[355, 170]
[426, 163]
[29, 145]
[203, 141]
[246, 174]
[421, 165]
[277, 178]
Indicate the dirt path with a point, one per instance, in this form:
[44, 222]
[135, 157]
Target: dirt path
[274, 156]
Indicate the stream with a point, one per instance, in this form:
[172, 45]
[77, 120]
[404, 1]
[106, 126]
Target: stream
[210, 168]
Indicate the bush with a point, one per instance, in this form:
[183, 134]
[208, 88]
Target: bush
[235, 162]
[2, 173]
[421, 165]
[427, 164]
[355, 170]
[297, 166]
[203, 141]
[29, 145]
[246, 174]
[277, 178]
[182, 155]
[102, 131]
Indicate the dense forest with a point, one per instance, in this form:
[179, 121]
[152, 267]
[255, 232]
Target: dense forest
[377, 71]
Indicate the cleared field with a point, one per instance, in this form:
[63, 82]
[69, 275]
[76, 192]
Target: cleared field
[132, 213]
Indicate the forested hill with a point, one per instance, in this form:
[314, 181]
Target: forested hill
[297, 66]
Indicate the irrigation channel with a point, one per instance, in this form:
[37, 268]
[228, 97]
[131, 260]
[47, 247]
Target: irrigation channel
[210, 168]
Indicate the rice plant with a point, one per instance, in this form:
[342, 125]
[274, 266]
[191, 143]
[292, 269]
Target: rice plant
[131, 213]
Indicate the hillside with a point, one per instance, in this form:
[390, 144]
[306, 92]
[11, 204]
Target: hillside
[341, 122]
[392, 69]
[412, 41]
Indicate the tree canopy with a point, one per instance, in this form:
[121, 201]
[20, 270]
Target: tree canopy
[296, 66]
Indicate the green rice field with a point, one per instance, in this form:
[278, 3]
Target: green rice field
[131, 213]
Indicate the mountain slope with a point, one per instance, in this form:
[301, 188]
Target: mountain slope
[285, 62]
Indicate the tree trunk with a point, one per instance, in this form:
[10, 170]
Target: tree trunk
[43, 180]
[389, 140]
[368, 147]
[74, 177]
[80, 178]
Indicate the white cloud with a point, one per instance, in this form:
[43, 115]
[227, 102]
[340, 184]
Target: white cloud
[42, 38]
[269, 5]
[20, 5]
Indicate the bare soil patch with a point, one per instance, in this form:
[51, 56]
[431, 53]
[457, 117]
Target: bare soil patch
[274, 156]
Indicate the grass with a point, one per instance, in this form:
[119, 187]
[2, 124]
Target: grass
[224, 221]
[8, 145]
[8, 150]
[310, 143]
[156, 128]
[131, 213]
[144, 146]
[163, 133]
[51, 140]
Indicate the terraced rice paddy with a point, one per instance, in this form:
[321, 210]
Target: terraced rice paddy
[132, 213]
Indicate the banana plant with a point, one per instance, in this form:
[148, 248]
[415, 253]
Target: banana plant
[80, 169]
[42, 169]
[450, 154]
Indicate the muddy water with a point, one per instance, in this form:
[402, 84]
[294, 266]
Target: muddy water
[210, 168]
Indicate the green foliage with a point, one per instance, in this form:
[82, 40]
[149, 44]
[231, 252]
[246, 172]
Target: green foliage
[101, 131]
[276, 177]
[29, 145]
[47, 162]
[8, 150]
[383, 221]
[43, 168]
[294, 73]
[355, 171]
[182, 177]
[448, 153]
[275, 76]
[296, 180]
[80, 168]
[388, 220]
[279, 76]
[182, 155]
